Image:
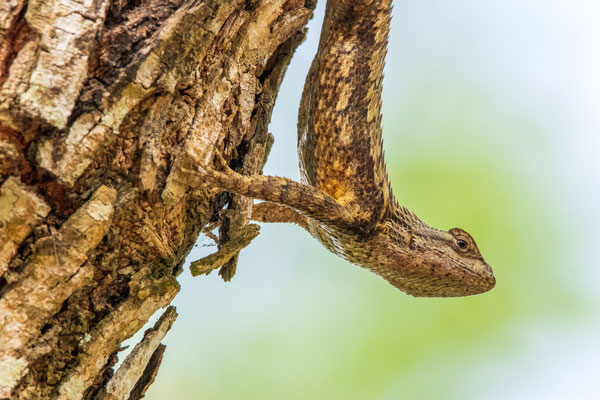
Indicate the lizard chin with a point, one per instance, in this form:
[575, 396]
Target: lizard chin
[439, 273]
[430, 285]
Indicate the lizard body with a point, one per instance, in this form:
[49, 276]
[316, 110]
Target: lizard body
[345, 198]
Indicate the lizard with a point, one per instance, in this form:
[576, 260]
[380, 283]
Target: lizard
[345, 198]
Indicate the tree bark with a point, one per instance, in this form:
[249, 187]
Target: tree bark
[103, 106]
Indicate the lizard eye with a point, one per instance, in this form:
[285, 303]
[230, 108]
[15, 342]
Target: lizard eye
[462, 242]
[462, 246]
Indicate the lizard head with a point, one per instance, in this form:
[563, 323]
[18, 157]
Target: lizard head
[440, 264]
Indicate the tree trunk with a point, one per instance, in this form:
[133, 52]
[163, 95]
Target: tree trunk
[103, 106]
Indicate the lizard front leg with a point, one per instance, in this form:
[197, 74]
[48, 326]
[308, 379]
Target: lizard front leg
[308, 200]
[261, 212]
[271, 212]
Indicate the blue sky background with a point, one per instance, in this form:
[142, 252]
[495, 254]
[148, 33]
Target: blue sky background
[491, 121]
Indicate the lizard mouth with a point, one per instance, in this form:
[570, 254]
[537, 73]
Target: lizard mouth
[489, 276]
[491, 280]
[486, 280]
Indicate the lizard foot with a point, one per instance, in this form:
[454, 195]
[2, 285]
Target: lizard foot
[202, 174]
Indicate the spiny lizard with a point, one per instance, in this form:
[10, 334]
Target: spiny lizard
[345, 198]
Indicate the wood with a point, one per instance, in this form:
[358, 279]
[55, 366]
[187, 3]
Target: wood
[102, 105]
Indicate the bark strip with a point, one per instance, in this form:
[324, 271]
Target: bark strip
[132, 369]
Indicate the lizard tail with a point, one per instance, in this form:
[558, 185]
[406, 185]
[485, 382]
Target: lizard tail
[349, 14]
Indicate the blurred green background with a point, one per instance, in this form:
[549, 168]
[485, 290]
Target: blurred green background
[491, 120]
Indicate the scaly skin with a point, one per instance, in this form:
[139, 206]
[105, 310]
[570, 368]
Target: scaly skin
[345, 200]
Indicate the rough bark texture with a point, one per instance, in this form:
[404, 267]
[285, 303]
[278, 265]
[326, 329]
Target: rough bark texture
[103, 104]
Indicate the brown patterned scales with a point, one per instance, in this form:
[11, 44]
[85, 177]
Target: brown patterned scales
[345, 200]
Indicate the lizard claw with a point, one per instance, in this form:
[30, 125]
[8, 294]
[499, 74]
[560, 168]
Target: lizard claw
[200, 174]
[208, 170]
[221, 161]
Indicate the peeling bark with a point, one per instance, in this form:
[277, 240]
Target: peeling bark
[103, 105]
[134, 366]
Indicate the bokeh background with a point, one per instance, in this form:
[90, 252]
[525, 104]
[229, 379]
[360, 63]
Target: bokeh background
[491, 121]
